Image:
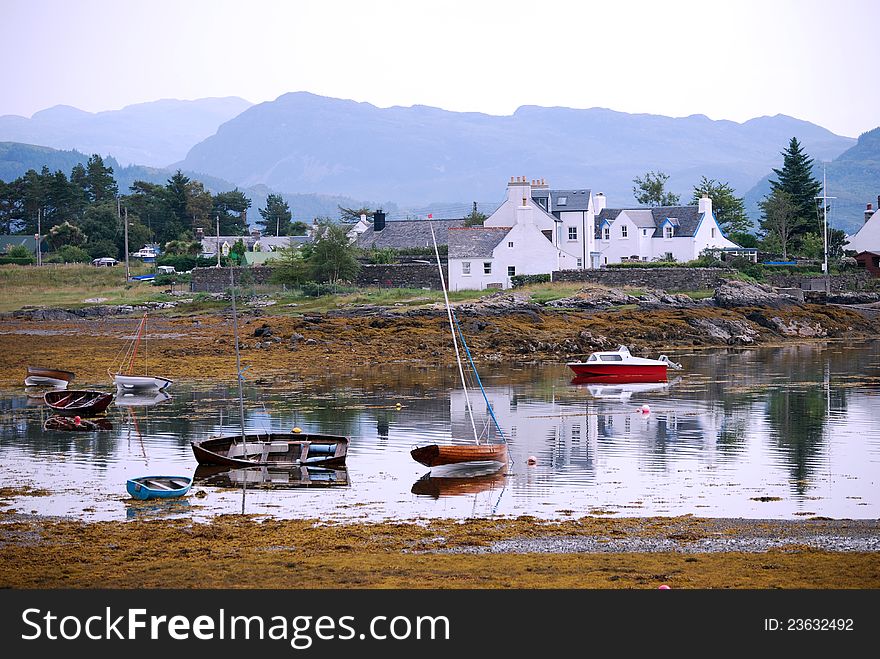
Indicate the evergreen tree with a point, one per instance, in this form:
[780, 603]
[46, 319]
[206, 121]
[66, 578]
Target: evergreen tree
[729, 210]
[352, 215]
[231, 209]
[651, 190]
[333, 256]
[276, 217]
[476, 218]
[797, 181]
[778, 221]
[100, 184]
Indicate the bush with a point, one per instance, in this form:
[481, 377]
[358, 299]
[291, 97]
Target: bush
[72, 254]
[169, 279]
[521, 280]
[17, 260]
[316, 289]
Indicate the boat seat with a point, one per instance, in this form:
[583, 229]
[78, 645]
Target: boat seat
[252, 448]
[156, 485]
[179, 482]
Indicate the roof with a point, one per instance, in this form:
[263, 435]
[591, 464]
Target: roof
[574, 200]
[403, 234]
[687, 217]
[13, 241]
[259, 258]
[475, 242]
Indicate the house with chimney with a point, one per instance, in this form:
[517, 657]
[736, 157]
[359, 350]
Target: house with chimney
[403, 234]
[866, 241]
[659, 233]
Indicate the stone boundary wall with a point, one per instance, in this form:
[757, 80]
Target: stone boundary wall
[665, 279]
[216, 280]
[855, 281]
[401, 275]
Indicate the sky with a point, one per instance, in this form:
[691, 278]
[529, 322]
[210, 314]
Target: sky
[814, 60]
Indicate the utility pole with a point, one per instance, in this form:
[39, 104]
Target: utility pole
[218, 240]
[825, 199]
[39, 233]
[126, 245]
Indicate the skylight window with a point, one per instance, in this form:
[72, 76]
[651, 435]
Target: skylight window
[562, 201]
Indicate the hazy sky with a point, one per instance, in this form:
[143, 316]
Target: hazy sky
[811, 59]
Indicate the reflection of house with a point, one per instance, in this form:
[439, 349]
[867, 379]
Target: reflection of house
[867, 238]
[669, 233]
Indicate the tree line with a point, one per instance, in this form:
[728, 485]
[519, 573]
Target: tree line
[792, 215]
[85, 212]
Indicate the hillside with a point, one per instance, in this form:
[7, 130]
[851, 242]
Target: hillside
[420, 154]
[154, 134]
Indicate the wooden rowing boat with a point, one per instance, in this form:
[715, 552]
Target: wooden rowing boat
[80, 402]
[158, 487]
[274, 449]
[436, 455]
[58, 422]
[38, 376]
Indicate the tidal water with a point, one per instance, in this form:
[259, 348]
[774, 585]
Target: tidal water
[784, 432]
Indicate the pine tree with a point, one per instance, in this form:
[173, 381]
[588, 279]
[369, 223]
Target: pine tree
[797, 181]
[276, 217]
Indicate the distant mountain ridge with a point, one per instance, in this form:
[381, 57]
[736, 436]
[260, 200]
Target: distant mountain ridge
[155, 134]
[419, 154]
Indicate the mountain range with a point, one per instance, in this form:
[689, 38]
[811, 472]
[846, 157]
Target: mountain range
[423, 157]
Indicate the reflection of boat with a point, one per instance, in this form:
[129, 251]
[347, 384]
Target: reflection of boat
[459, 481]
[622, 366]
[621, 390]
[58, 422]
[258, 449]
[128, 381]
[272, 449]
[40, 376]
[476, 453]
[77, 401]
[158, 487]
[140, 398]
[271, 477]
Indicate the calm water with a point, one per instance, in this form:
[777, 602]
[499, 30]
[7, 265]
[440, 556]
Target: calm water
[764, 433]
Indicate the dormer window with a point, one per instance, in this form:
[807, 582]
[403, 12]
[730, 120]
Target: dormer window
[668, 231]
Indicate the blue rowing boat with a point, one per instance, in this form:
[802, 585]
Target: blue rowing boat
[158, 487]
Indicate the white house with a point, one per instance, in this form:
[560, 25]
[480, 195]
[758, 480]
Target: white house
[488, 256]
[566, 218]
[867, 238]
[673, 233]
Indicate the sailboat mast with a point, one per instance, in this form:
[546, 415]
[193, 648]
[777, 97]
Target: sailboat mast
[454, 339]
[237, 357]
[137, 343]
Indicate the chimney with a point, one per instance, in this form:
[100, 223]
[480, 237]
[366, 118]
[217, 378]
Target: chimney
[869, 211]
[705, 204]
[518, 188]
[378, 221]
[599, 205]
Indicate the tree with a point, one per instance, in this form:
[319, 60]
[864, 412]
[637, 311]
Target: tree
[199, 204]
[149, 202]
[102, 225]
[237, 252]
[729, 210]
[276, 217]
[351, 215]
[66, 234]
[299, 228]
[333, 256]
[231, 209]
[650, 190]
[100, 184]
[476, 218]
[796, 180]
[778, 221]
[290, 267]
[71, 254]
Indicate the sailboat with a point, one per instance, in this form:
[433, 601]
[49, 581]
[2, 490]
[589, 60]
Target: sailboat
[478, 453]
[127, 381]
[283, 450]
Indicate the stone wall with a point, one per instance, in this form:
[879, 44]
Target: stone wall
[401, 275]
[666, 279]
[854, 281]
[216, 280]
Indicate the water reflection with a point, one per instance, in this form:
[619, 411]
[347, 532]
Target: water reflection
[271, 477]
[734, 430]
[460, 481]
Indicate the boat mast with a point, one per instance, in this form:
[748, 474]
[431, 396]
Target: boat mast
[137, 342]
[454, 339]
[237, 357]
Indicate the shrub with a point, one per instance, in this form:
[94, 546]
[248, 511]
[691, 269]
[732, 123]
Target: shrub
[521, 280]
[72, 254]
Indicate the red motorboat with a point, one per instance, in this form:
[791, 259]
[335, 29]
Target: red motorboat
[620, 366]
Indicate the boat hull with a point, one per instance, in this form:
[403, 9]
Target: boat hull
[158, 487]
[48, 377]
[437, 455]
[140, 382]
[599, 372]
[278, 450]
[73, 402]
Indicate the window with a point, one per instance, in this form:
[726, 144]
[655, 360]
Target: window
[644, 232]
[644, 258]
[611, 358]
[623, 231]
[713, 232]
[487, 267]
[668, 231]
[561, 201]
[669, 257]
[606, 233]
[511, 271]
[465, 267]
[510, 244]
[572, 233]
[580, 263]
